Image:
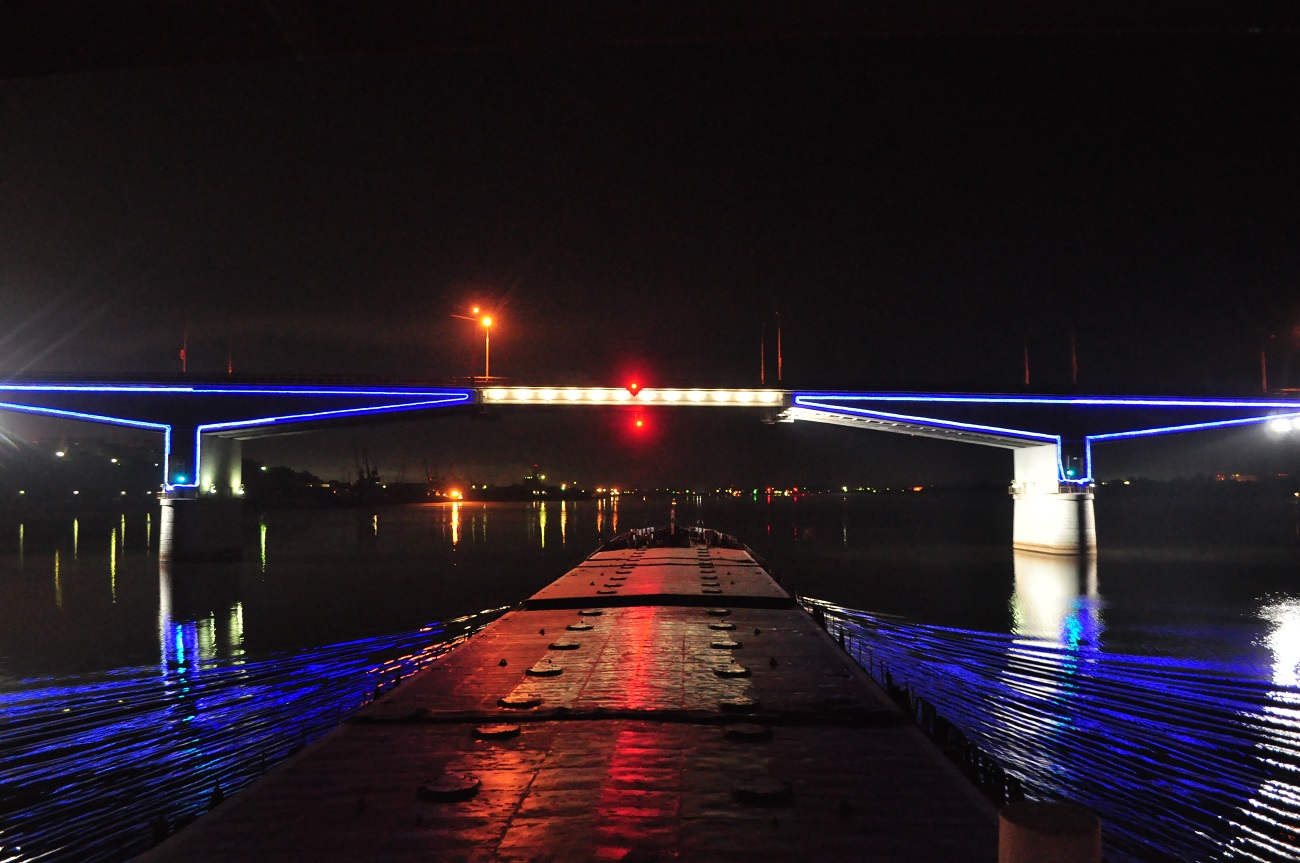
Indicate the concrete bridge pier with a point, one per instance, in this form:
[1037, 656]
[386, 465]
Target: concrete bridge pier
[221, 471]
[1050, 516]
[205, 463]
[201, 507]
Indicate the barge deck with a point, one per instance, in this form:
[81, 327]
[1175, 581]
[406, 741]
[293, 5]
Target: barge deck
[664, 700]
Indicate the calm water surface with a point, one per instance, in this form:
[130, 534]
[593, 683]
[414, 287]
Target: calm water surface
[1186, 628]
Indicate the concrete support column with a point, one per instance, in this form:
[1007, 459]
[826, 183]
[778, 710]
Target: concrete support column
[220, 470]
[1045, 518]
[201, 513]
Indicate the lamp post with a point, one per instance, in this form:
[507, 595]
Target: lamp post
[486, 322]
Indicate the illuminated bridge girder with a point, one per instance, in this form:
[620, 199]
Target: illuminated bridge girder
[684, 397]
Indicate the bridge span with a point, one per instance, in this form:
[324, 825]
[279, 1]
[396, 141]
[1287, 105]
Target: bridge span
[1052, 437]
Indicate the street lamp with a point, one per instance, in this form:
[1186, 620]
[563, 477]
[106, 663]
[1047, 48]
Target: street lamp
[486, 322]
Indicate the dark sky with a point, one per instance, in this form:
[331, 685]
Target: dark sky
[913, 208]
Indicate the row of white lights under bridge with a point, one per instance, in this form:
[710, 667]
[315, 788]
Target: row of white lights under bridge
[622, 395]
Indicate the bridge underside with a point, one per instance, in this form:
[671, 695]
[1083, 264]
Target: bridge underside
[913, 428]
[1051, 438]
[203, 423]
[1071, 423]
[1049, 516]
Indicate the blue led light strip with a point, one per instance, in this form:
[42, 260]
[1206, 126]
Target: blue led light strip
[815, 400]
[80, 415]
[1097, 401]
[461, 398]
[807, 402]
[229, 390]
[1164, 430]
[459, 395]
[450, 398]
[442, 398]
[100, 418]
[1192, 427]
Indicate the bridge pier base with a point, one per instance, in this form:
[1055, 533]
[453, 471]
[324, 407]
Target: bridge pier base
[1054, 523]
[1050, 517]
[200, 528]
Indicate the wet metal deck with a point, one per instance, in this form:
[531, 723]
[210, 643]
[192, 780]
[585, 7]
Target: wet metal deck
[664, 576]
[712, 728]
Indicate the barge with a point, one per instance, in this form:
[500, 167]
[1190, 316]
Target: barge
[664, 700]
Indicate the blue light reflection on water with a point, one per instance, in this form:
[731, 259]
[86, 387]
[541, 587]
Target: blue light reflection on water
[92, 762]
[316, 578]
[1183, 759]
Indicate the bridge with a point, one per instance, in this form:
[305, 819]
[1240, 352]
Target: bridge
[203, 424]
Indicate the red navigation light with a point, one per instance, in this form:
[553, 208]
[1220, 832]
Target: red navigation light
[640, 421]
[634, 387]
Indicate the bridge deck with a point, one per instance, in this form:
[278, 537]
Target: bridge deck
[699, 730]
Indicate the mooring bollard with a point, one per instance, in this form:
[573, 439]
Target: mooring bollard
[1035, 832]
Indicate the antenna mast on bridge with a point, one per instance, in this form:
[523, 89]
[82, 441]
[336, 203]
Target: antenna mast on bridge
[762, 352]
[778, 347]
[1074, 362]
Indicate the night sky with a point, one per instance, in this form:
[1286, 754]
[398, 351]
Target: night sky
[914, 209]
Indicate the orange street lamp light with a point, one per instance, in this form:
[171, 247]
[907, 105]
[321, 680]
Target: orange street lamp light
[486, 322]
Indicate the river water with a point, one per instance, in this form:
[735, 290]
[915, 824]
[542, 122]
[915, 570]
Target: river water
[1158, 683]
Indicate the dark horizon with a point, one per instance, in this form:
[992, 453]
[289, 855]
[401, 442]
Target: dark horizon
[913, 210]
[917, 210]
